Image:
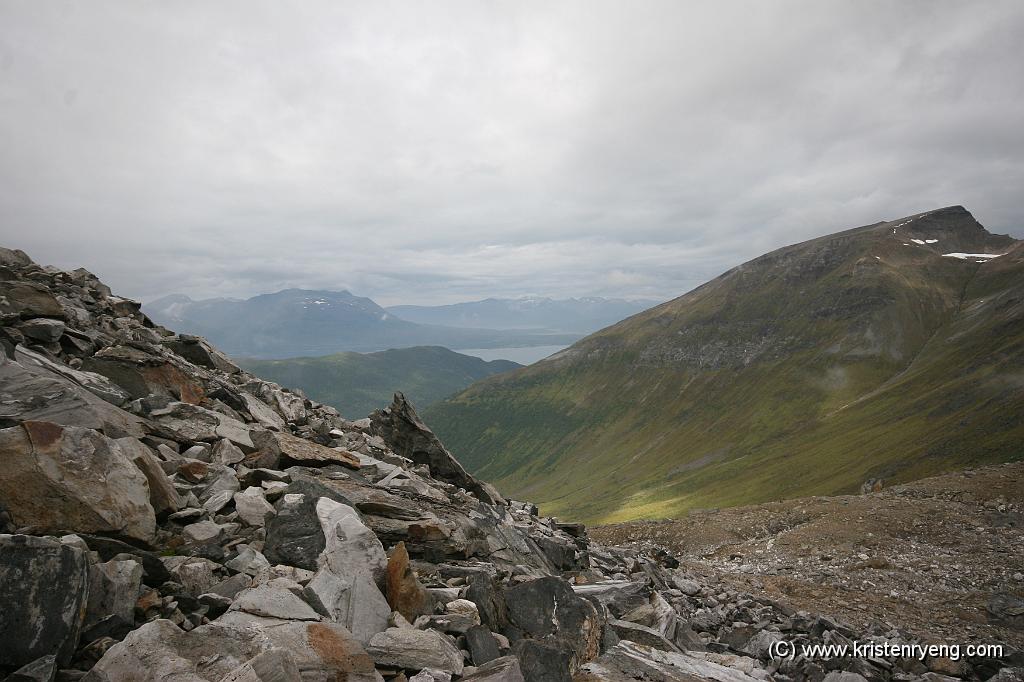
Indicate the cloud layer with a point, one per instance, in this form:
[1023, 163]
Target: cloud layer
[435, 152]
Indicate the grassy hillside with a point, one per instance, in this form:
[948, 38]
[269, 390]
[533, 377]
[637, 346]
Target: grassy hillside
[358, 383]
[806, 371]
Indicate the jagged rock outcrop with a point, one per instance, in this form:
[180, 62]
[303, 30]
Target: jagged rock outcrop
[170, 516]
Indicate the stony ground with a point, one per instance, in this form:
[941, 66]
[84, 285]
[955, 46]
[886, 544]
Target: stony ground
[925, 557]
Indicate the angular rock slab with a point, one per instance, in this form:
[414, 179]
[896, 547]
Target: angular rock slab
[31, 391]
[71, 478]
[252, 507]
[307, 453]
[159, 651]
[415, 650]
[163, 496]
[627, 661]
[273, 602]
[44, 588]
[275, 665]
[355, 602]
[504, 669]
[350, 547]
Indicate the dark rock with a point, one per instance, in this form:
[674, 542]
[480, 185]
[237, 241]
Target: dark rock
[199, 352]
[154, 573]
[481, 644]
[618, 596]
[1006, 609]
[28, 299]
[487, 594]
[31, 390]
[43, 669]
[543, 662]
[561, 555]
[641, 634]
[548, 609]
[43, 590]
[294, 536]
[505, 669]
[42, 330]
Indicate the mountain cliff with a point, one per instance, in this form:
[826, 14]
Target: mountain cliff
[889, 351]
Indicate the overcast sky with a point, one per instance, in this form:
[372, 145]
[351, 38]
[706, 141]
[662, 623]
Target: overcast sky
[430, 152]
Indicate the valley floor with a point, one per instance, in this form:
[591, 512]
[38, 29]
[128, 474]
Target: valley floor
[927, 557]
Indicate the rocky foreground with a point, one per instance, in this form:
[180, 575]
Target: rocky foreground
[167, 516]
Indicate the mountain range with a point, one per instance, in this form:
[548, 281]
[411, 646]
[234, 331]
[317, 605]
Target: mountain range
[582, 315]
[359, 383]
[890, 351]
[303, 322]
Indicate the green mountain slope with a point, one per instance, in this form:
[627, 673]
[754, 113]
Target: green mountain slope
[863, 354]
[358, 383]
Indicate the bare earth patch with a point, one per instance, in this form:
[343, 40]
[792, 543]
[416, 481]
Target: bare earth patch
[926, 557]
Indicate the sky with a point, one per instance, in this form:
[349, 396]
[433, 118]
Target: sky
[438, 152]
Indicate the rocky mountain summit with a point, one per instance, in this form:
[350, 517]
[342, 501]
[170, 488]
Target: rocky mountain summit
[165, 515]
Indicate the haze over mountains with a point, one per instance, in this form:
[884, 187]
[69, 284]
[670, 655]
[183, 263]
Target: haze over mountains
[301, 322]
[583, 315]
[894, 351]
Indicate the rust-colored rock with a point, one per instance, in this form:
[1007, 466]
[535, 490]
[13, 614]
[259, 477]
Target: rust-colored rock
[404, 592]
[340, 653]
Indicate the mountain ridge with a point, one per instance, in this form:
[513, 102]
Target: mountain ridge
[697, 401]
[307, 322]
[359, 383]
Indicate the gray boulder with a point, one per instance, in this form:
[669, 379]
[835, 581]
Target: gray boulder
[42, 330]
[113, 590]
[71, 478]
[43, 669]
[631, 661]
[641, 634]
[415, 650]
[252, 507]
[24, 382]
[275, 665]
[44, 588]
[504, 669]
[271, 601]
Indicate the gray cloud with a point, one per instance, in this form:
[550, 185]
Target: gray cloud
[446, 151]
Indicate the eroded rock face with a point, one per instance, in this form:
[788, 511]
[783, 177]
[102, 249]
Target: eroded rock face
[404, 431]
[58, 478]
[44, 590]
